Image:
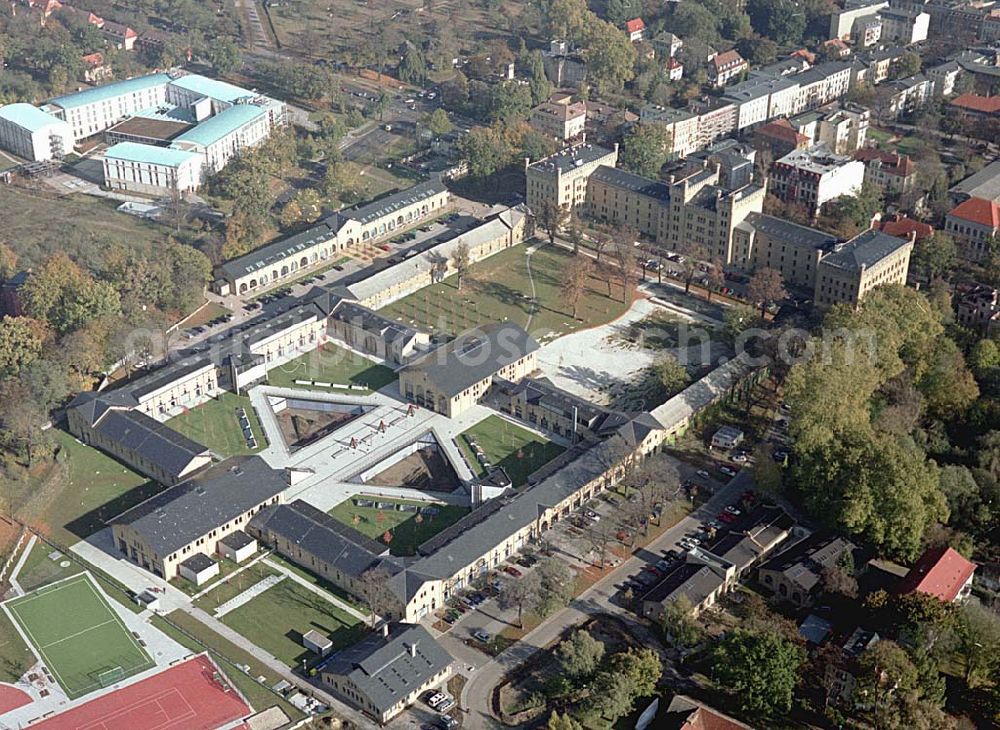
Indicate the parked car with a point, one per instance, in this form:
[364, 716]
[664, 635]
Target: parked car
[480, 635]
[732, 510]
[727, 518]
[663, 565]
[447, 722]
[446, 706]
[740, 458]
[511, 570]
[703, 474]
[653, 569]
[727, 470]
[592, 516]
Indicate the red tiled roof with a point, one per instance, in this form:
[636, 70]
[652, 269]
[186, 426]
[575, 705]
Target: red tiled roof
[940, 572]
[978, 210]
[93, 59]
[782, 129]
[685, 713]
[892, 162]
[901, 227]
[977, 103]
[727, 58]
[635, 25]
[805, 54]
[673, 63]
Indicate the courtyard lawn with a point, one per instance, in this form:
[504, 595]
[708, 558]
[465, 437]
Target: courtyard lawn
[15, 656]
[233, 585]
[215, 425]
[276, 620]
[500, 289]
[407, 531]
[331, 364]
[517, 450]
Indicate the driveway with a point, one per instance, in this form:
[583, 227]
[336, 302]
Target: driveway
[478, 692]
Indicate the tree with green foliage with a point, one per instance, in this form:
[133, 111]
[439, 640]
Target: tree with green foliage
[610, 57]
[562, 722]
[760, 669]
[783, 21]
[224, 55]
[580, 655]
[679, 624]
[20, 344]
[646, 149]
[550, 218]
[935, 256]
[642, 668]
[538, 82]
[438, 123]
[977, 642]
[412, 67]
[908, 65]
[610, 696]
[885, 676]
[670, 374]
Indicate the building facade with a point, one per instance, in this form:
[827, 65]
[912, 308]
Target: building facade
[813, 176]
[854, 268]
[561, 179]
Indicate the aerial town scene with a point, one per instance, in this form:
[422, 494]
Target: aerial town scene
[544, 364]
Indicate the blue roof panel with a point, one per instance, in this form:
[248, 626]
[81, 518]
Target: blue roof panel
[28, 117]
[110, 91]
[225, 122]
[147, 153]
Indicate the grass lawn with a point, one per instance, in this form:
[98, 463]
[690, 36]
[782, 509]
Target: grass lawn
[518, 450]
[188, 631]
[15, 656]
[83, 490]
[86, 648]
[39, 569]
[331, 364]
[499, 289]
[206, 314]
[214, 424]
[222, 591]
[407, 532]
[226, 568]
[318, 581]
[276, 619]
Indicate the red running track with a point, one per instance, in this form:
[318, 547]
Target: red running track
[184, 697]
[11, 698]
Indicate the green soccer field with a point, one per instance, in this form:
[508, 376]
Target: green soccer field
[78, 635]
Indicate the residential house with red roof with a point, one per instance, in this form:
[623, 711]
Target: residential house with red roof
[686, 713]
[974, 105]
[636, 29]
[893, 173]
[120, 36]
[95, 69]
[675, 69]
[901, 226]
[723, 67]
[940, 572]
[780, 137]
[973, 224]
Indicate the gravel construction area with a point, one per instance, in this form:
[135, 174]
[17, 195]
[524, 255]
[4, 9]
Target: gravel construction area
[594, 363]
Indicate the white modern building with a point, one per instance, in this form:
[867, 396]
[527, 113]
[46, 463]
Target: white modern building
[149, 170]
[813, 176]
[91, 111]
[904, 26]
[32, 134]
[221, 137]
[842, 21]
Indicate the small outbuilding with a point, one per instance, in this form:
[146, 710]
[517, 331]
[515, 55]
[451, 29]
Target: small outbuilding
[317, 643]
[237, 546]
[727, 437]
[199, 569]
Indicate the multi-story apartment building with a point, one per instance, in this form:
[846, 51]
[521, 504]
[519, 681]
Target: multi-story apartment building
[842, 21]
[91, 111]
[759, 99]
[560, 118]
[682, 126]
[716, 119]
[904, 26]
[763, 241]
[30, 133]
[844, 130]
[726, 66]
[891, 172]
[854, 268]
[813, 176]
[561, 179]
[691, 209]
[974, 225]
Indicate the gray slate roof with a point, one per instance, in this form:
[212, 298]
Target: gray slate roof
[864, 250]
[176, 516]
[629, 181]
[792, 233]
[391, 203]
[158, 444]
[570, 158]
[329, 540]
[473, 356]
[387, 670]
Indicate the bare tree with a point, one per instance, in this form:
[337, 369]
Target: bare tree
[574, 232]
[460, 260]
[766, 287]
[601, 238]
[551, 218]
[520, 593]
[694, 254]
[623, 262]
[575, 278]
[716, 277]
[373, 588]
[600, 535]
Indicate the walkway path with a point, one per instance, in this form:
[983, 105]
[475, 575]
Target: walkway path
[241, 599]
[326, 595]
[20, 564]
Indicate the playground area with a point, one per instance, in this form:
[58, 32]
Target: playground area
[191, 695]
[85, 648]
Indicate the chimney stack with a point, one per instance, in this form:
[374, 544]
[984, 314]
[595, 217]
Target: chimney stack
[413, 649]
[385, 630]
